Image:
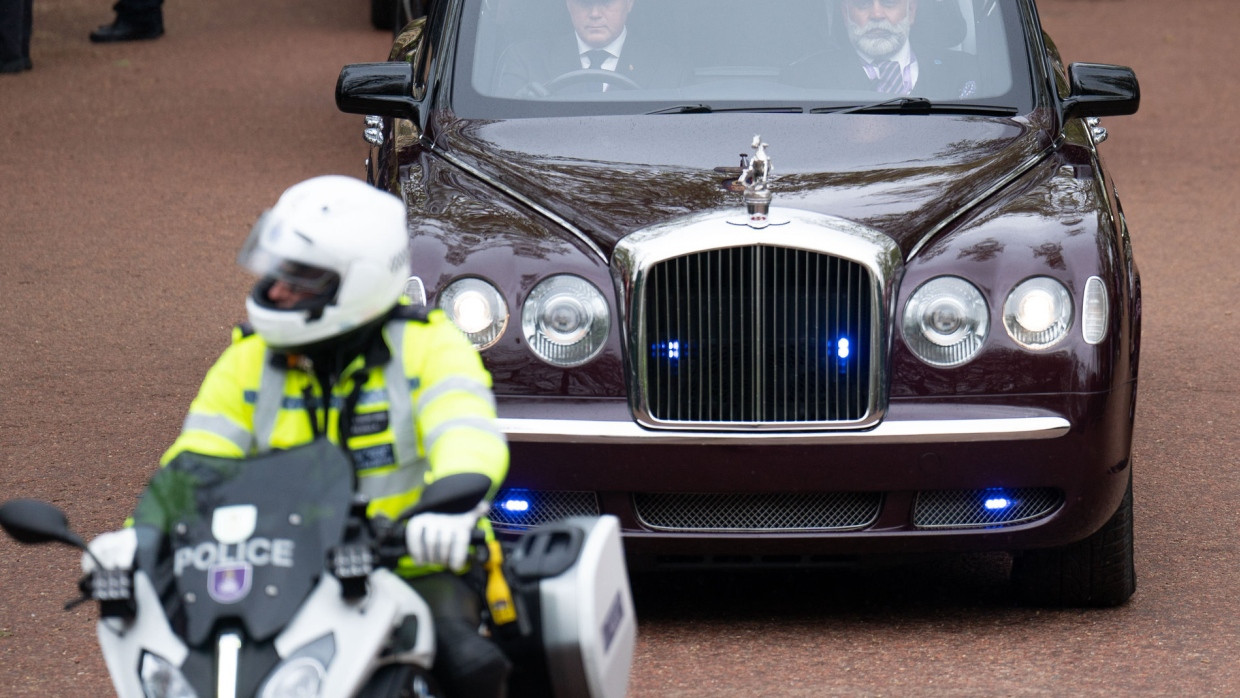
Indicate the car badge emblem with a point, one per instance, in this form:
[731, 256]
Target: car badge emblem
[757, 195]
[233, 524]
[230, 582]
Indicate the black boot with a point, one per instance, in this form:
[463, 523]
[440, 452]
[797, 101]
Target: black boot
[126, 30]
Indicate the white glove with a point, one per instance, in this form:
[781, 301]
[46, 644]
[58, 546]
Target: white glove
[115, 550]
[443, 539]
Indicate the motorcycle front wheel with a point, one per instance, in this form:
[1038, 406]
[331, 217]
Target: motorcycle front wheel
[401, 681]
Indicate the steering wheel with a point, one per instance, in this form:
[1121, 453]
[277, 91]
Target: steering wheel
[585, 75]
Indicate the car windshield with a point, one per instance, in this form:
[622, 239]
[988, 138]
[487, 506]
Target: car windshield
[590, 57]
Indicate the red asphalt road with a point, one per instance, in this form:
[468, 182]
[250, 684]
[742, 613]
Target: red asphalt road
[129, 175]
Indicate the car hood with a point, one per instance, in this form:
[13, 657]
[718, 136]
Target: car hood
[609, 176]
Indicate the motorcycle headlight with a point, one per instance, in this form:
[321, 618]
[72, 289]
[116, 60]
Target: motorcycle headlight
[299, 677]
[477, 308]
[946, 321]
[565, 320]
[162, 680]
[1038, 312]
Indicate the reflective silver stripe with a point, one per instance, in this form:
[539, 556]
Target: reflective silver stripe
[405, 478]
[401, 413]
[485, 425]
[267, 403]
[455, 384]
[222, 427]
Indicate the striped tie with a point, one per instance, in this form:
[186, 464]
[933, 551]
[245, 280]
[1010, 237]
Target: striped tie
[890, 77]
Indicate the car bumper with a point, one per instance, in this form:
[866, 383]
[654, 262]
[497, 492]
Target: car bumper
[1073, 448]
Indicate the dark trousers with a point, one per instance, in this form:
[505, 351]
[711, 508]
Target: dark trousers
[140, 12]
[15, 28]
[466, 663]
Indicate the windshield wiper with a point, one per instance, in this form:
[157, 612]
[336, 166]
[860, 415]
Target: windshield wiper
[919, 105]
[707, 109]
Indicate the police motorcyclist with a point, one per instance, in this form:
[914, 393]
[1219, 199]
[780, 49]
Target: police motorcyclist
[333, 352]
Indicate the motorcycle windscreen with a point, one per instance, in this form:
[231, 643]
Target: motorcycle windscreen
[246, 538]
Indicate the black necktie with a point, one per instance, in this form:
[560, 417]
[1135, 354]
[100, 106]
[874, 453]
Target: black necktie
[596, 58]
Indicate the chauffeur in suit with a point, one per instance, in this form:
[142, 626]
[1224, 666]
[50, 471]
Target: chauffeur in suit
[880, 57]
[600, 40]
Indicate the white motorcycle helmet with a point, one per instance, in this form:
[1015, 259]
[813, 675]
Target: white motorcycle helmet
[332, 256]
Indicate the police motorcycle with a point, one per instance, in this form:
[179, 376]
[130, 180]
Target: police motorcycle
[263, 577]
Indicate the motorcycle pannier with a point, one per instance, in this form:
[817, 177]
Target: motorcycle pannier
[579, 626]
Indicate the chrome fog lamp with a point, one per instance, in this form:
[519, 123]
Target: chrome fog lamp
[477, 308]
[565, 320]
[946, 321]
[162, 680]
[300, 676]
[1094, 313]
[1038, 312]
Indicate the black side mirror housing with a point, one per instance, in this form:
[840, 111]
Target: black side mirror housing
[453, 494]
[1098, 89]
[31, 521]
[383, 89]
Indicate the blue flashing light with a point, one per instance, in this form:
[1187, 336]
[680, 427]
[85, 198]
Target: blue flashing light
[997, 503]
[669, 350]
[515, 504]
[842, 348]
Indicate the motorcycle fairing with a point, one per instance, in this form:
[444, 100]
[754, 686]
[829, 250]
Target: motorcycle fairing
[302, 497]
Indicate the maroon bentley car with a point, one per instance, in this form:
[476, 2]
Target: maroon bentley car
[767, 300]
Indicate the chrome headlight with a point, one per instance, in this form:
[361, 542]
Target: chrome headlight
[162, 680]
[477, 308]
[565, 320]
[946, 321]
[1038, 312]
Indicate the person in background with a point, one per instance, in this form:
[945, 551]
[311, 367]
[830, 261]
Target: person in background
[600, 41]
[880, 57]
[136, 20]
[16, 25]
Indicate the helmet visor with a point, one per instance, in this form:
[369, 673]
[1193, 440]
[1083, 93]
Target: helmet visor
[285, 282]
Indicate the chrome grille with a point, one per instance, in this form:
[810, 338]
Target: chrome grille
[984, 508]
[758, 334]
[826, 511]
[541, 506]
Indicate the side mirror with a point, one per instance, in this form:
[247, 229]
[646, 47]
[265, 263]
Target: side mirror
[1098, 89]
[384, 89]
[30, 521]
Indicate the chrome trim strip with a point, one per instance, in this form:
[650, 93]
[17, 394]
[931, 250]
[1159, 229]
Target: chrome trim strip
[890, 432]
[540, 209]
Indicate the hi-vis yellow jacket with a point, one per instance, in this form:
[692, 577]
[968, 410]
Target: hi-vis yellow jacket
[416, 407]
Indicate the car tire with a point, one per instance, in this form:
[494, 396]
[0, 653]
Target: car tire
[1097, 571]
[383, 14]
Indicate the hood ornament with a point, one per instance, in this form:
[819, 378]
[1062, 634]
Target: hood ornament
[757, 196]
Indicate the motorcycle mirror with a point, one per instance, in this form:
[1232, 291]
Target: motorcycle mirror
[31, 521]
[454, 494]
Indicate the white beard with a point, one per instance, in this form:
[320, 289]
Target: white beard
[880, 39]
